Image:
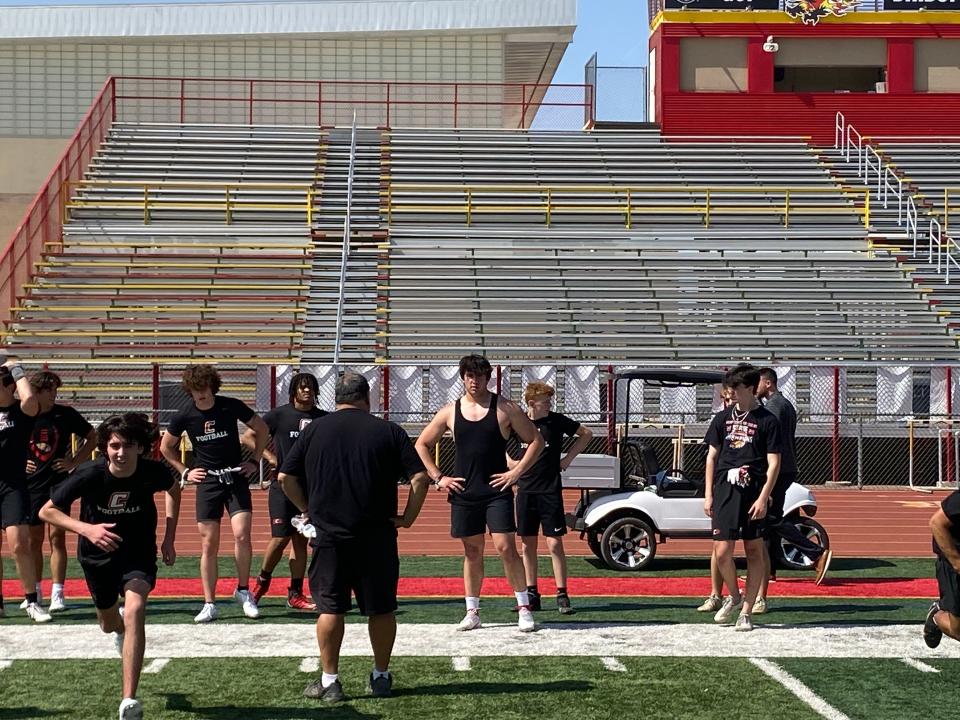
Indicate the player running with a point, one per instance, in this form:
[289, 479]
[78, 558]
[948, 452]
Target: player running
[480, 492]
[211, 425]
[286, 423]
[118, 535]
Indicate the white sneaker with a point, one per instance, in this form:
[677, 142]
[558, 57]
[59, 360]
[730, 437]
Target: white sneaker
[118, 638]
[471, 621]
[131, 709]
[711, 604]
[246, 600]
[744, 623]
[37, 613]
[725, 614]
[525, 620]
[57, 603]
[760, 606]
[209, 613]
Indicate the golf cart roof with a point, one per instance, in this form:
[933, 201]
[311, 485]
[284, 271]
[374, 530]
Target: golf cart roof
[672, 378]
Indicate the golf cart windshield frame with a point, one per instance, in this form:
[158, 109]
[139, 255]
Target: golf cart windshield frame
[658, 378]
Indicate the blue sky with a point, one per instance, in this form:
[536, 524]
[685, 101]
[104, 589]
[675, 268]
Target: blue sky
[616, 29]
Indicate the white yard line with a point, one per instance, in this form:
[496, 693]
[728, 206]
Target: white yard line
[4, 664]
[817, 703]
[461, 663]
[156, 665]
[222, 639]
[309, 665]
[613, 665]
[917, 665]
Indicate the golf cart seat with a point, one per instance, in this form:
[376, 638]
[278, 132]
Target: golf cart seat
[669, 483]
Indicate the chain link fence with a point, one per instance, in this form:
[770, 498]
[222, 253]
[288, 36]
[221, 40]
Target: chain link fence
[620, 93]
[858, 425]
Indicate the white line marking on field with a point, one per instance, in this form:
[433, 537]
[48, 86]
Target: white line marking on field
[310, 665]
[461, 663]
[156, 665]
[4, 664]
[917, 665]
[222, 639]
[819, 705]
[613, 665]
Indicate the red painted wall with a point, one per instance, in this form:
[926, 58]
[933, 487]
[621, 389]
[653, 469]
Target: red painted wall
[760, 111]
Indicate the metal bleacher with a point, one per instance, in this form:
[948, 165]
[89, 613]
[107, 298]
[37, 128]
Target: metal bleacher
[757, 280]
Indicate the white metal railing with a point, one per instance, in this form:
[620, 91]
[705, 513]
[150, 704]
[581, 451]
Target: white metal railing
[345, 253]
[942, 250]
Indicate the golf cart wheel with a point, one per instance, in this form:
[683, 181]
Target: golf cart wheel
[593, 541]
[788, 556]
[628, 544]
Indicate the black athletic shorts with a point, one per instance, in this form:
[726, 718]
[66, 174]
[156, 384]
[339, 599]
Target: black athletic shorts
[369, 566]
[949, 583]
[467, 520]
[14, 507]
[107, 582]
[731, 512]
[282, 511]
[541, 510]
[214, 497]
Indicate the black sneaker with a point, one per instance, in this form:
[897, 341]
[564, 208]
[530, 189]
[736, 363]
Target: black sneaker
[534, 600]
[332, 693]
[932, 635]
[563, 605]
[381, 687]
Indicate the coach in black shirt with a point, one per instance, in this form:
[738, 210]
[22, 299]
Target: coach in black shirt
[349, 463]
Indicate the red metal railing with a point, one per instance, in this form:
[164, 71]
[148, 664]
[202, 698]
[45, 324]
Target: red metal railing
[380, 103]
[42, 223]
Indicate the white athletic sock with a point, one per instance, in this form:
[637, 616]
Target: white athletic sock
[58, 588]
[377, 674]
[328, 680]
[473, 603]
[523, 597]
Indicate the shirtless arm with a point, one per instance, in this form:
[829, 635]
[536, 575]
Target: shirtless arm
[426, 443]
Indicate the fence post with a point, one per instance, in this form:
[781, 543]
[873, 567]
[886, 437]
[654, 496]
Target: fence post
[251, 103]
[499, 379]
[273, 386]
[860, 453]
[835, 445]
[456, 104]
[385, 377]
[182, 82]
[951, 460]
[113, 99]
[611, 400]
[155, 403]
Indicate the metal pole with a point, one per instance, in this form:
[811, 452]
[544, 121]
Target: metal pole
[611, 425]
[860, 453]
[385, 376]
[345, 253]
[951, 459]
[273, 386]
[835, 445]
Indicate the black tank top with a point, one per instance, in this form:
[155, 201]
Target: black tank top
[481, 452]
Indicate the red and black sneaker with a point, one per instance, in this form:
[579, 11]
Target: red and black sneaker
[299, 601]
[260, 587]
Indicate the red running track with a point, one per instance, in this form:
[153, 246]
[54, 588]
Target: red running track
[861, 523]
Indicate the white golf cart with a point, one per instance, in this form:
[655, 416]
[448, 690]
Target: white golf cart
[629, 504]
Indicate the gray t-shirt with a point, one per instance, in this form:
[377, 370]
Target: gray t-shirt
[787, 416]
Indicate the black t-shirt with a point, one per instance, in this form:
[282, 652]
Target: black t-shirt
[50, 440]
[126, 502]
[786, 415]
[951, 508]
[544, 475]
[213, 433]
[15, 427]
[349, 463]
[744, 441]
[286, 423]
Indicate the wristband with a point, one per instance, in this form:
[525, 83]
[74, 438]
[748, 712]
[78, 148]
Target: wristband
[436, 483]
[16, 372]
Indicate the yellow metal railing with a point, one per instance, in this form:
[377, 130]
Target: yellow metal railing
[631, 201]
[151, 196]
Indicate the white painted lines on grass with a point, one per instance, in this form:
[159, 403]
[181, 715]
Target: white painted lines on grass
[613, 665]
[310, 665]
[917, 665]
[156, 665]
[4, 664]
[817, 703]
[461, 664]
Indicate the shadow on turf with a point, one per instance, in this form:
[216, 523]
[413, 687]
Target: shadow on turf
[28, 712]
[494, 688]
[181, 703]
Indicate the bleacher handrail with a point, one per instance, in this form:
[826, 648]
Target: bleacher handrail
[229, 197]
[547, 200]
[345, 249]
[42, 221]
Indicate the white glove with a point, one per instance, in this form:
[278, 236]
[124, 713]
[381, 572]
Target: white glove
[301, 523]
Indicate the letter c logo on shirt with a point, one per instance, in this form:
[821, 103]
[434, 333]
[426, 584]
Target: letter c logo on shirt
[118, 501]
[208, 426]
